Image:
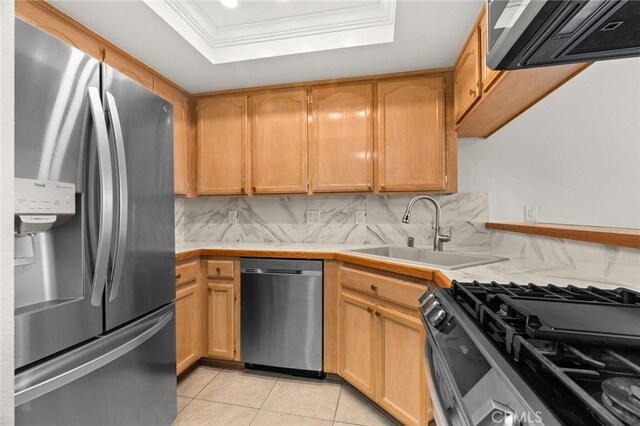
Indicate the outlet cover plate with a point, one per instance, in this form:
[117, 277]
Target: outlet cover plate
[361, 217]
[313, 217]
[530, 213]
[233, 216]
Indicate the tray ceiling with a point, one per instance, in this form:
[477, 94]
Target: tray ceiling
[427, 34]
[255, 30]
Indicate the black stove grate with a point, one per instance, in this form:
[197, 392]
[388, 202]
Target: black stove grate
[553, 360]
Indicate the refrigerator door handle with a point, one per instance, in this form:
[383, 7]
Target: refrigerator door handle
[106, 197]
[123, 197]
[78, 364]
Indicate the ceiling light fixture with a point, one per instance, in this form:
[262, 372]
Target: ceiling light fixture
[231, 4]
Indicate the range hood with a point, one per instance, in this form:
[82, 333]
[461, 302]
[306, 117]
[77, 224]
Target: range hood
[533, 33]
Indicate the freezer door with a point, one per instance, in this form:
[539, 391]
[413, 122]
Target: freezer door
[127, 377]
[142, 257]
[58, 123]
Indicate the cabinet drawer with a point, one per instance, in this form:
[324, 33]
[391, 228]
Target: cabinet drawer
[220, 268]
[396, 290]
[187, 272]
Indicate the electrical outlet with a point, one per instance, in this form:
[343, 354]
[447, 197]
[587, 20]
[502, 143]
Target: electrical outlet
[233, 216]
[313, 217]
[530, 213]
[361, 216]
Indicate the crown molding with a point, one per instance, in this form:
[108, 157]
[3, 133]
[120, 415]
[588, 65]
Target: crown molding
[372, 23]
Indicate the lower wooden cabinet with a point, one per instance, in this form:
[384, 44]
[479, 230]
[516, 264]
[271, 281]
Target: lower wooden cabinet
[221, 320]
[187, 315]
[357, 332]
[402, 389]
[381, 353]
[223, 309]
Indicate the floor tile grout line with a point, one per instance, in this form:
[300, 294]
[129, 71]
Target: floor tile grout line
[211, 380]
[270, 390]
[335, 413]
[295, 415]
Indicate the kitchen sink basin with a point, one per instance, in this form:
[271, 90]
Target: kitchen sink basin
[420, 256]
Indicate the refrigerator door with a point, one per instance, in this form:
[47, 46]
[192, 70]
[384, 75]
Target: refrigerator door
[127, 377]
[141, 273]
[58, 127]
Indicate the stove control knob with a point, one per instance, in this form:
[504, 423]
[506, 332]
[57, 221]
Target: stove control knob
[437, 317]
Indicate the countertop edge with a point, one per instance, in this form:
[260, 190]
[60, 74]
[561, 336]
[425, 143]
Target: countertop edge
[407, 269]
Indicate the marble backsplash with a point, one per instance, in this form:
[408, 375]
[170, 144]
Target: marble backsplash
[283, 219]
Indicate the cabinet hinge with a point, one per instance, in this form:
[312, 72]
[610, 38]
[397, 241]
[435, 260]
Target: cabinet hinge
[235, 348]
[309, 99]
[446, 180]
[235, 295]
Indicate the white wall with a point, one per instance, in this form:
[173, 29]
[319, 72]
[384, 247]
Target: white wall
[575, 154]
[6, 211]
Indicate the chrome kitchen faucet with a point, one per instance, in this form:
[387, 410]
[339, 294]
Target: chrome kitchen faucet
[438, 238]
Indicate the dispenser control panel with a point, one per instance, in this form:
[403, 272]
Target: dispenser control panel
[39, 205]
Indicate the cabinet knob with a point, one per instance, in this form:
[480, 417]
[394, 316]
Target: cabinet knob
[378, 313]
[472, 92]
[178, 276]
[218, 271]
[374, 287]
[369, 309]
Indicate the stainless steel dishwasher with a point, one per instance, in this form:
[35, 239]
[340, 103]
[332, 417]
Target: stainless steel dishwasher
[281, 313]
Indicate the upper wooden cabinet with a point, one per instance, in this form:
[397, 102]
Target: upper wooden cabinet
[129, 68]
[222, 145]
[498, 96]
[341, 138]
[411, 134]
[466, 77]
[50, 20]
[180, 102]
[279, 142]
[488, 76]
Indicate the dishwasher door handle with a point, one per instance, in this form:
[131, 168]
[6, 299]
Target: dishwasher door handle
[280, 272]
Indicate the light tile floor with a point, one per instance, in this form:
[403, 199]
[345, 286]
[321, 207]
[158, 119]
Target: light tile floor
[222, 396]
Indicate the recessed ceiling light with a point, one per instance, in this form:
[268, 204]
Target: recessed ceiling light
[229, 3]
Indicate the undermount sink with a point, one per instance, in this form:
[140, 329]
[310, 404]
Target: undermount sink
[440, 259]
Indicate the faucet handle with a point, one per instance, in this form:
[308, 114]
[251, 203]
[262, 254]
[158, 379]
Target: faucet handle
[446, 237]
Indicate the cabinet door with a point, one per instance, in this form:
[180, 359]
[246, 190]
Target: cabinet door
[341, 139]
[221, 320]
[356, 343]
[411, 134]
[400, 377]
[488, 75]
[180, 103]
[222, 141]
[187, 325]
[466, 76]
[279, 142]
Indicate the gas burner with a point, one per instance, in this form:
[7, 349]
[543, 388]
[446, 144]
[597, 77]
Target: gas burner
[586, 369]
[622, 397]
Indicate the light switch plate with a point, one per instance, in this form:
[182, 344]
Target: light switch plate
[361, 217]
[233, 216]
[530, 213]
[313, 217]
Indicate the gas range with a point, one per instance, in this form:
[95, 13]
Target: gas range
[508, 354]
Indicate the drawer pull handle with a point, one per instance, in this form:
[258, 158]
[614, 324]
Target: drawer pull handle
[374, 287]
[369, 309]
[378, 313]
[178, 276]
[218, 271]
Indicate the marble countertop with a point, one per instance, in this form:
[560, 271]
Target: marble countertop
[518, 269]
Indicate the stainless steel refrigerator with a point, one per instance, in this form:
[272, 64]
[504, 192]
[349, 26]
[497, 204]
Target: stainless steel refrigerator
[94, 242]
